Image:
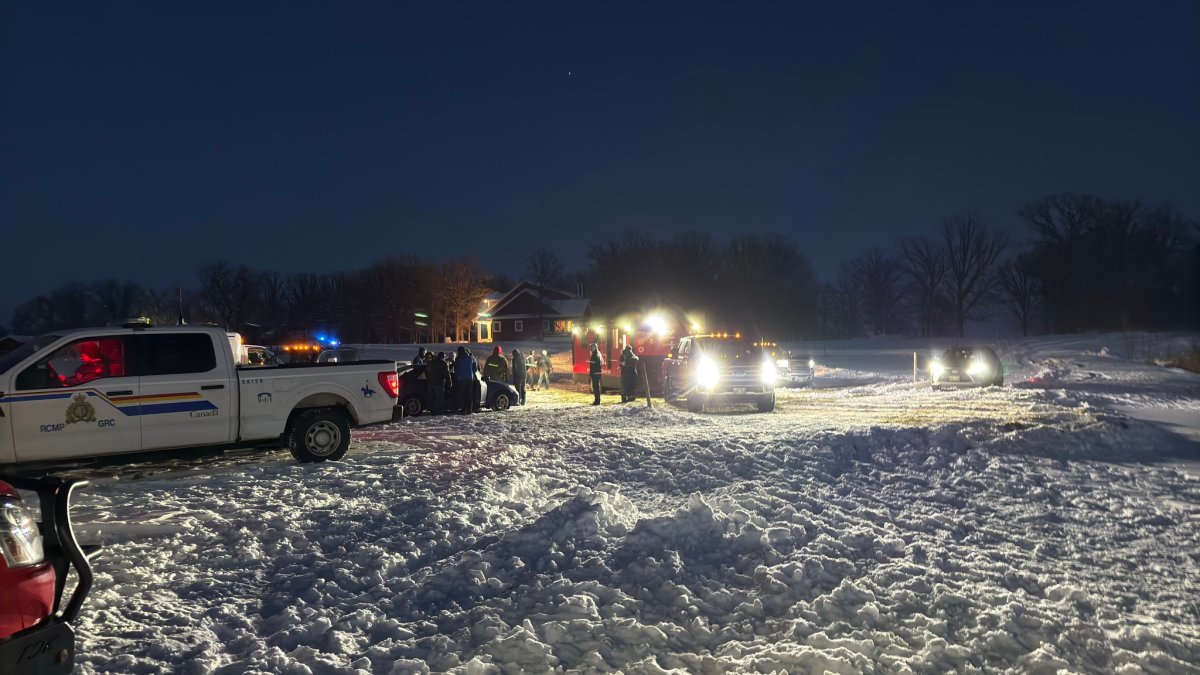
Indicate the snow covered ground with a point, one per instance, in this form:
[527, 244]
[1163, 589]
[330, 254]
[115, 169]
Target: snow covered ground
[868, 525]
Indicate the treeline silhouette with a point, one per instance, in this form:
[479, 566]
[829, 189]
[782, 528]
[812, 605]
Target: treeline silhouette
[396, 299]
[1077, 263]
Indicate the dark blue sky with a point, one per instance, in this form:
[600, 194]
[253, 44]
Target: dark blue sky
[141, 140]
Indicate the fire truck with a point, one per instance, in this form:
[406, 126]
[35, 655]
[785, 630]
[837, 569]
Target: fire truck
[652, 335]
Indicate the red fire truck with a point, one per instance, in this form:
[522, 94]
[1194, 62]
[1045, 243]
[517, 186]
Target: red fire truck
[652, 335]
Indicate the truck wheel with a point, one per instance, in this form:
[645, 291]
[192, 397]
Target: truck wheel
[766, 403]
[668, 393]
[695, 404]
[501, 403]
[412, 406]
[319, 434]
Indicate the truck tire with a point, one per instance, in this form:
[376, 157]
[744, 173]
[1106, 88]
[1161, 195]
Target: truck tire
[412, 406]
[668, 393]
[319, 434]
[501, 402]
[766, 403]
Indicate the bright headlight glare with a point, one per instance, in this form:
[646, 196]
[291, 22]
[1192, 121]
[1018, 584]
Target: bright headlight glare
[936, 368]
[812, 363]
[707, 374]
[768, 372]
[20, 541]
[782, 363]
[977, 367]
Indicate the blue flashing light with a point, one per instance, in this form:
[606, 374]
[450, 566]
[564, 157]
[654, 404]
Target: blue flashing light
[321, 338]
[334, 343]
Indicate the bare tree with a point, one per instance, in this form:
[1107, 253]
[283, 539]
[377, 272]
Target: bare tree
[117, 299]
[460, 295]
[923, 262]
[230, 292]
[544, 269]
[971, 252]
[879, 283]
[1018, 290]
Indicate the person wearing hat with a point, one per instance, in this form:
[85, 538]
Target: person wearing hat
[496, 366]
[629, 365]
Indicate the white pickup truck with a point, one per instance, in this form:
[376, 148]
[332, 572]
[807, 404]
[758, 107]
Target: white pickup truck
[105, 391]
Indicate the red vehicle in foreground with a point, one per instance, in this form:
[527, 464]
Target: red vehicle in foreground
[36, 637]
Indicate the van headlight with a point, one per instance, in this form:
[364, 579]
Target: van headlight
[769, 372]
[707, 374]
[812, 363]
[936, 369]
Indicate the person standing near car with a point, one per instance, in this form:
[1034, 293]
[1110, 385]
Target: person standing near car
[420, 357]
[464, 379]
[496, 367]
[544, 370]
[519, 374]
[438, 374]
[629, 364]
[595, 367]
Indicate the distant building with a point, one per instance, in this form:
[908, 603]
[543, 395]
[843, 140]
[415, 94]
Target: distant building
[524, 314]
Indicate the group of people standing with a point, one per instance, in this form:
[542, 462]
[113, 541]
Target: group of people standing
[460, 374]
[629, 373]
[456, 375]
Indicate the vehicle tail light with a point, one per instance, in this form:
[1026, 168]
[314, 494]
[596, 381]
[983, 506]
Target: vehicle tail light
[390, 382]
[20, 541]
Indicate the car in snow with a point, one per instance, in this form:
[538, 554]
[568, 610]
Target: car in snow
[720, 368]
[338, 355]
[36, 636]
[967, 367]
[415, 399]
[791, 369]
[105, 391]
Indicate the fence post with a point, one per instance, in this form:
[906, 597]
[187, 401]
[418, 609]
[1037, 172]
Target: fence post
[646, 380]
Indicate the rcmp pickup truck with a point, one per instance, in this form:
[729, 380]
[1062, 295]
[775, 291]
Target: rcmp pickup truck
[104, 391]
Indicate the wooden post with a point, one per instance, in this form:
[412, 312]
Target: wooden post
[646, 380]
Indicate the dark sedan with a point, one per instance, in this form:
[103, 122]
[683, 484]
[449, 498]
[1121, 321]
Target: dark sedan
[415, 399]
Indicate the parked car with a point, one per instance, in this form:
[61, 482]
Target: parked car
[36, 636]
[967, 367]
[106, 391]
[414, 393]
[339, 355]
[719, 368]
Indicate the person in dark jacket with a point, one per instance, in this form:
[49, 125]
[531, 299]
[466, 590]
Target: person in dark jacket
[438, 374]
[595, 367]
[629, 374]
[420, 357]
[496, 367]
[519, 374]
[464, 379]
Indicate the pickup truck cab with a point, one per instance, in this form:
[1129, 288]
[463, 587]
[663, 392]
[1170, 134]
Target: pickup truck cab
[719, 369]
[105, 391]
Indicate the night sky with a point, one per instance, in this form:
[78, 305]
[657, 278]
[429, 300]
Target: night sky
[141, 140]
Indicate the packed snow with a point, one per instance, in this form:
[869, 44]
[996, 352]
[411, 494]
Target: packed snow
[868, 525]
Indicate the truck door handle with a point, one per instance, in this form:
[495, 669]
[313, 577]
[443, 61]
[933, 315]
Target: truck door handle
[207, 387]
[123, 392]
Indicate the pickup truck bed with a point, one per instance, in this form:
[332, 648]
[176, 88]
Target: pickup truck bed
[118, 390]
